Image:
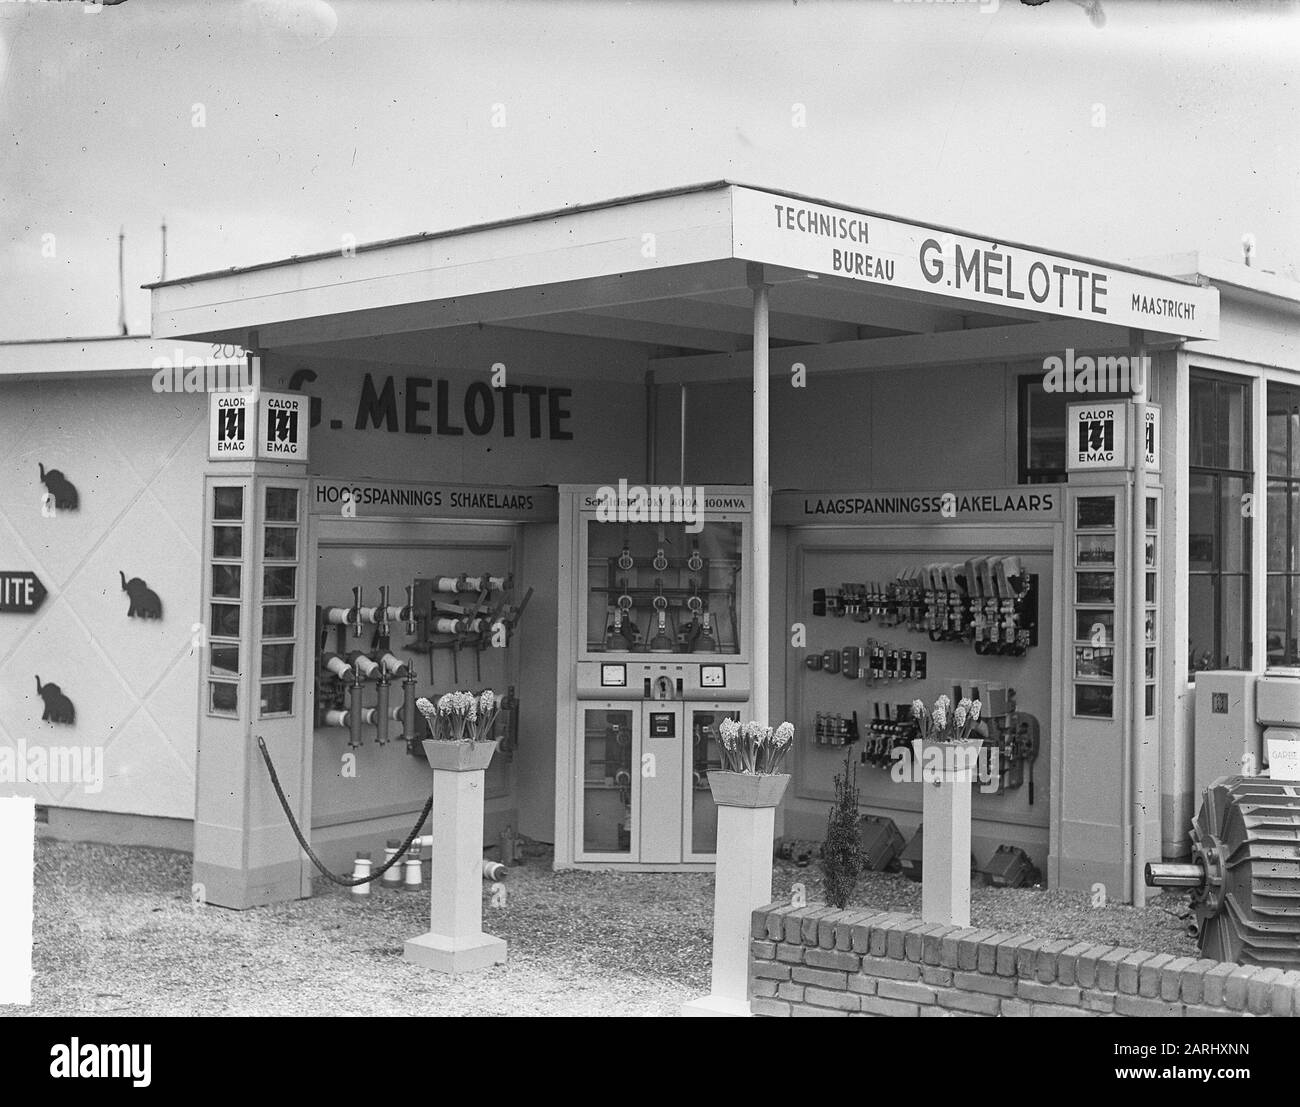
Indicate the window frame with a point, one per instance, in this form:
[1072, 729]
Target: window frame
[1216, 575]
[1289, 484]
[1024, 474]
[266, 564]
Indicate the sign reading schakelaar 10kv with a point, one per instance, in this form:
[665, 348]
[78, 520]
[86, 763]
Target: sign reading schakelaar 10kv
[798, 234]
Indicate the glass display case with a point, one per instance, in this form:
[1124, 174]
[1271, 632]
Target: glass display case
[1150, 593]
[608, 781]
[661, 589]
[654, 631]
[1096, 542]
[706, 756]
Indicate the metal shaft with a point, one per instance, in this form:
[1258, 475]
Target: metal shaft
[1172, 875]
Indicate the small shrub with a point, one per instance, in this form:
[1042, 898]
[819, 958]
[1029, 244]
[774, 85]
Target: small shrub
[842, 860]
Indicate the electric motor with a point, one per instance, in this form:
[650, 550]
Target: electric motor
[1245, 872]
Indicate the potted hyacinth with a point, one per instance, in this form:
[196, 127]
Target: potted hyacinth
[460, 725]
[948, 738]
[752, 759]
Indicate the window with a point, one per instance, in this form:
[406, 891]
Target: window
[1041, 453]
[279, 584]
[226, 571]
[1220, 474]
[1283, 534]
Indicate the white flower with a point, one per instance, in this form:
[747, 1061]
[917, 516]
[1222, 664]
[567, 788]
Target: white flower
[487, 702]
[918, 709]
[944, 702]
[784, 736]
[959, 716]
[459, 703]
[939, 716]
[425, 707]
[728, 732]
[975, 711]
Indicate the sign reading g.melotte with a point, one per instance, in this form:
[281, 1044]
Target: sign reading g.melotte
[798, 234]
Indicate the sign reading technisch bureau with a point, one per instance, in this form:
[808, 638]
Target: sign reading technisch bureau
[1037, 504]
[369, 499]
[798, 234]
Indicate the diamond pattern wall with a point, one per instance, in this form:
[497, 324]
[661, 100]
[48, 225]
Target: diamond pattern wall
[137, 461]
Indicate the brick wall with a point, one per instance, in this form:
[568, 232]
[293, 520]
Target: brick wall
[816, 960]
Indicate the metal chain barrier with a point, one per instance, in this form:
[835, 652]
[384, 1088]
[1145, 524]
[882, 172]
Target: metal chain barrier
[346, 882]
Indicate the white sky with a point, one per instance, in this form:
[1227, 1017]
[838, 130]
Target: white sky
[375, 118]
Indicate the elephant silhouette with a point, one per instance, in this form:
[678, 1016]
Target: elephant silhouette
[58, 708]
[145, 603]
[62, 489]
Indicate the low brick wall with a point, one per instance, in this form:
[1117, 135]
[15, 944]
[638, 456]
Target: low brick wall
[816, 960]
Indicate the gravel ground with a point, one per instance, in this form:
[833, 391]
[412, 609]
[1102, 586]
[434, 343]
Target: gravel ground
[116, 934]
[1036, 911]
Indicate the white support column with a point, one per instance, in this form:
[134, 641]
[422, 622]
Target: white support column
[455, 941]
[747, 803]
[946, 777]
[746, 819]
[1137, 643]
[761, 544]
[743, 883]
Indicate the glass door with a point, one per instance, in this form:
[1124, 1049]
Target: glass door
[610, 790]
[1096, 546]
[700, 824]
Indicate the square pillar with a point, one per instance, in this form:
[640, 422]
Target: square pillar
[947, 770]
[747, 805]
[455, 941]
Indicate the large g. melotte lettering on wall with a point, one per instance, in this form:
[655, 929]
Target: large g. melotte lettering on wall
[479, 409]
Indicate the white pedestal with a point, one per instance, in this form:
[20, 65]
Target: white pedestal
[716, 1007]
[455, 941]
[434, 951]
[945, 847]
[743, 882]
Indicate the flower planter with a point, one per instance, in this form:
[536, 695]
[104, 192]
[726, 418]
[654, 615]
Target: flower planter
[458, 757]
[747, 789]
[958, 760]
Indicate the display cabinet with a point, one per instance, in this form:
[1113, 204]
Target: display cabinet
[700, 833]
[663, 589]
[1093, 617]
[1151, 636]
[654, 655]
[608, 783]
